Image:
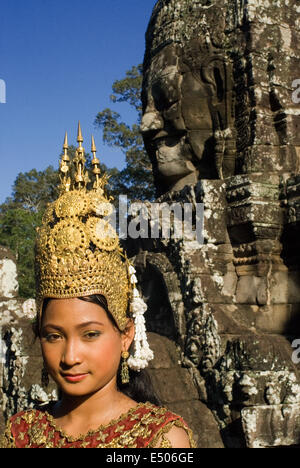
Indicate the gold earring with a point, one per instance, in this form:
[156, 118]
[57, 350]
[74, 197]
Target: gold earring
[124, 368]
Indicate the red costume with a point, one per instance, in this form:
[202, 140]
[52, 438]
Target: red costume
[145, 425]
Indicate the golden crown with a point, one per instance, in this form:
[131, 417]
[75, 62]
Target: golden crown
[77, 250]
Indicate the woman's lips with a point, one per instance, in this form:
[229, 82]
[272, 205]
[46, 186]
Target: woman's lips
[74, 378]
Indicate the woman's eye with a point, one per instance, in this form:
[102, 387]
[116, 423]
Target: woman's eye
[92, 334]
[52, 337]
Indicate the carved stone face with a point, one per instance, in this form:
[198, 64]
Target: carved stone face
[177, 123]
[248, 389]
[184, 108]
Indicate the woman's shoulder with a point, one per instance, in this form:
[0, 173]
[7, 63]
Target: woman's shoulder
[171, 430]
[29, 415]
[18, 426]
[162, 412]
[13, 429]
[24, 414]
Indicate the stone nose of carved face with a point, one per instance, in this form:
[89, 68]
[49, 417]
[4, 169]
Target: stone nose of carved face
[151, 122]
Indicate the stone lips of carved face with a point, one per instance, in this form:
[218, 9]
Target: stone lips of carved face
[177, 123]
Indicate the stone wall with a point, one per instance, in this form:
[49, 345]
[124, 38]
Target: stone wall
[221, 128]
[20, 357]
[232, 311]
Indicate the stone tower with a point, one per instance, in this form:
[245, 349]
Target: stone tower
[220, 124]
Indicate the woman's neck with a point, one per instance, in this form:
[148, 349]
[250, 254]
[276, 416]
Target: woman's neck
[93, 410]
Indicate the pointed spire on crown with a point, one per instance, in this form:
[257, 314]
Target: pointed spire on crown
[93, 149]
[96, 165]
[65, 146]
[65, 168]
[79, 135]
[81, 177]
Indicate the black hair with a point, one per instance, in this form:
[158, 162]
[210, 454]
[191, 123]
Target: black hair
[140, 387]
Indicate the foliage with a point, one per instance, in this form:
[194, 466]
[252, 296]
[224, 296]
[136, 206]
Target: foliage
[136, 179]
[17, 231]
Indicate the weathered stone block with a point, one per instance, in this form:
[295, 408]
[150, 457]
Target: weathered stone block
[285, 287]
[229, 284]
[212, 193]
[202, 423]
[173, 384]
[261, 158]
[165, 352]
[252, 187]
[252, 290]
[272, 426]
[262, 214]
[214, 229]
[214, 288]
[235, 319]
[211, 258]
[274, 318]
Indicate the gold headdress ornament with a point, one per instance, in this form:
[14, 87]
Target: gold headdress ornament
[78, 251]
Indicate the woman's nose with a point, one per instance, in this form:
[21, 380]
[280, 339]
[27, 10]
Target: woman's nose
[151, 121]
[70, 355]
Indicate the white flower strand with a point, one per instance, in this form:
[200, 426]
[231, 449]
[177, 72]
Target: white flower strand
[142, 352]
[29, 309]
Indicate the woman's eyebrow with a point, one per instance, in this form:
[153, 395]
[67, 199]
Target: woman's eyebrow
[80, 325]
[85, 324]
[51, 325]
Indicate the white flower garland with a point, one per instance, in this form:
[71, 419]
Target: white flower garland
[29, 309]
[142, 352]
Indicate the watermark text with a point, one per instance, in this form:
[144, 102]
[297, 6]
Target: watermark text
[296, 93]
[296, 353]
[139, 220]
[2, 92]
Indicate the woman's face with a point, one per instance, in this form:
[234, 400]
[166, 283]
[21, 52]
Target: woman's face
[80, 345]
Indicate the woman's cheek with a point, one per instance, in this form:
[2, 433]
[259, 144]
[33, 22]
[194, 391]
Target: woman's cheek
[52, 355]
[107, 354]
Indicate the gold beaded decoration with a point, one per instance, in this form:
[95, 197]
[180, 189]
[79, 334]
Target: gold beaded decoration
[77, 251]
[71, 204]
[124, 368]
[102, 234]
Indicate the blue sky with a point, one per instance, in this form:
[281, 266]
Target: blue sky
[59, 59]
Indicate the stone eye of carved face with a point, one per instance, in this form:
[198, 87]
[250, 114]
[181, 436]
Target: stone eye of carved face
[165, 91]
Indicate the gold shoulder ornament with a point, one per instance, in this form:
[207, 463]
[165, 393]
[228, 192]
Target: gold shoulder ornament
[78, 252]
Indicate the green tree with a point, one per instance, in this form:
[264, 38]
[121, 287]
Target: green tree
[17, 231]
[21, 214]
[34, 189]
[136, 179]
